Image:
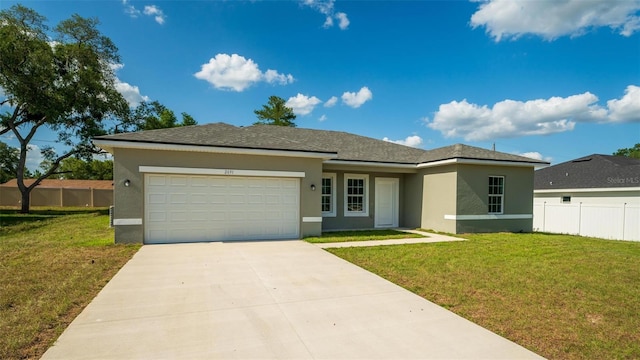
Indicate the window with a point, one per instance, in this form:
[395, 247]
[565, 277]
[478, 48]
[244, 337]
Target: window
[328, 194]
[496, 194]
[356, 201]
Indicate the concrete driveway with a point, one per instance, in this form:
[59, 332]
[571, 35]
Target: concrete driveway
[277, 299]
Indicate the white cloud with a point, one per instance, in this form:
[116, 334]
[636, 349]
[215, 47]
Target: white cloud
[328, 22]
[344, 22]
[511, 118]
[302, 104]
[149, 10]
[535, 155]
[158, 15]
[326, 8]
[235, 72]
[355, 100]
[413, 141]
[627, 108]
[131, 93]
[322, 118]
[34, 157]
[552, 19]
[130, 9]
[331, 102]
[272, 76]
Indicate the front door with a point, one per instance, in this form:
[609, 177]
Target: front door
[387, 202]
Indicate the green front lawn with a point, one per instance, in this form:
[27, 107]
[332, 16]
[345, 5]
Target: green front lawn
[52, 264]
[360, 235]
[563, 297]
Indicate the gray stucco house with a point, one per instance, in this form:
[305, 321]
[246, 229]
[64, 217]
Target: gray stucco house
[219, 182]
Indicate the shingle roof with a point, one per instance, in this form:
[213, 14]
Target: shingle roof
[593, 171]
[66, 184]
[344, 145]
[461, 151]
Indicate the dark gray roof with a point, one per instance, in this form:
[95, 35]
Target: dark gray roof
[344, 145]
[589, 172]
[461, 151]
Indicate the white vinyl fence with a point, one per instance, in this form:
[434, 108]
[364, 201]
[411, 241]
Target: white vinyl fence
[606, 221]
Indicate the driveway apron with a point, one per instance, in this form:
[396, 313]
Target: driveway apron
[272, 299]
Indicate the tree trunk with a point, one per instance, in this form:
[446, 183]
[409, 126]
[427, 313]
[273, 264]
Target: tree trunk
[26, 199]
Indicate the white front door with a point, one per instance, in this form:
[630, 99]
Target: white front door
[387, 202]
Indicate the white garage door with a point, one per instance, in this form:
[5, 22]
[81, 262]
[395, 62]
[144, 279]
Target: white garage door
[190, 208]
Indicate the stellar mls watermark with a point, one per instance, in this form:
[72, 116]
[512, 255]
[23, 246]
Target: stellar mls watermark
[623, 180]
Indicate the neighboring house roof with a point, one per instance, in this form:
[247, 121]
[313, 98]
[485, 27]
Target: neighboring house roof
[343, 146]
[66, 184]
[590, 172]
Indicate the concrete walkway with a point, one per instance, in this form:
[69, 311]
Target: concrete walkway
[429, 238]
[278, 299]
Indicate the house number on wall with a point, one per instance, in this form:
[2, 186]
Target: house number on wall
[228, 172]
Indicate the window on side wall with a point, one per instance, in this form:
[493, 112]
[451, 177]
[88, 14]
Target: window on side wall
[356, 202]
[328, 194]
[496, 194]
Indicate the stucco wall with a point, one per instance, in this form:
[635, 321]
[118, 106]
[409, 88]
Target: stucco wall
[341, 222]
[473, 189]
[411, 201]
[473, 194]
[129, 201]
[439, 186]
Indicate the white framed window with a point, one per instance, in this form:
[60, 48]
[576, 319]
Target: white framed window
[328, 194]
[496, 194]
[356, 195]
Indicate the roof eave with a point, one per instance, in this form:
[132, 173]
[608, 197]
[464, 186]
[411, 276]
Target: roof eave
[600, 189]
[365, 163]
[110, 145]
[471, 161]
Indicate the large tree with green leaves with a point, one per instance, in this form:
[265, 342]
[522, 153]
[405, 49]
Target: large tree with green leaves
[632, 152]
[62, 80]
[75, 168]
[154, 115]
[9, 158]
[276, 112]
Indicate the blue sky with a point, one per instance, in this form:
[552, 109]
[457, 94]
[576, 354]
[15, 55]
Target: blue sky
[555, 80]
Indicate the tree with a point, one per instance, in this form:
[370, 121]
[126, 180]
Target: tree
[275, 113]
[65, 83]
[188, 120]
[9, 158]
[154, 115]
[75, 168]
[632, 152]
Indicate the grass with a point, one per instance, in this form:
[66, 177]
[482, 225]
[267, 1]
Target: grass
[360, 235]
[52, 263]
[563, 297]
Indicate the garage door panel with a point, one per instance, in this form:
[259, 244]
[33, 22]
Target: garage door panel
[179, 181]
[186, 208]
[178, 199]
[157, 199]
[217, 216]
[157, 216]
[199, 181]
[154, 180]
[236, 199]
